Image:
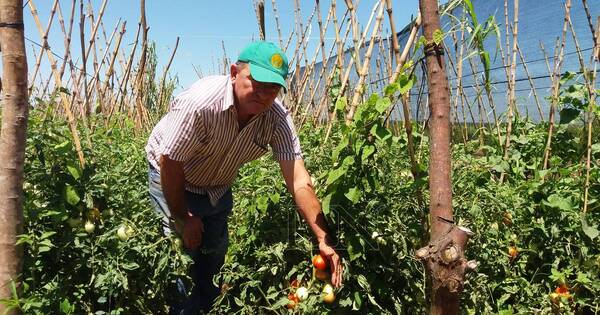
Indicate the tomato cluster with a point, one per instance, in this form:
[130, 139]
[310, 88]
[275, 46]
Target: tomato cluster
[300, 293]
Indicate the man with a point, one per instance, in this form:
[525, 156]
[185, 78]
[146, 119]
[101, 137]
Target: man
[195, 151]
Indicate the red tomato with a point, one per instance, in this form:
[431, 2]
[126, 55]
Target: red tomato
[293, 300]
[562, 290]
[294, 283]
[319, 262]
[322, 275]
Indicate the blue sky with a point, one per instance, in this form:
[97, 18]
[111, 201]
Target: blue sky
[202, 27]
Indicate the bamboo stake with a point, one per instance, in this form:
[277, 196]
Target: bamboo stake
[277, 23]
[67, 36]
[65, 102]
[590, 81]
[556, 85]
[550, 72]
[533, 89]
[355, 33]
[590, 24]
[164, 76]
[344, 82]
[84, 55]
[409, 43]
[96, 77]
[381, 58]
[591, 117]
[322, 31]
[110, 70]
[363, 72]
[259, 6]
[329, 78]
[340, 45]
[465, 126]
[142, 117]
[506, 32]
[458, 71]
[512, 101]
[308, 71]
[44, 44]
[123, 85]
[395, 45]
[323, 70]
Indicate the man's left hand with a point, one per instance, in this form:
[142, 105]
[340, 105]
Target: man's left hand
[334, 261]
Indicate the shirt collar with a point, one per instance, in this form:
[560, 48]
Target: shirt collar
[228, 100]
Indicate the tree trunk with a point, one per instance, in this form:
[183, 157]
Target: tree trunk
[443, 256]
[12, 145]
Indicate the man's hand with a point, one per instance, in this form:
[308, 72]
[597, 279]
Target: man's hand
[191, 230]
[334, 262]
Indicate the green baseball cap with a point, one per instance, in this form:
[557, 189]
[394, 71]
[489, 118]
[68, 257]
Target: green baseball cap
[267, 62]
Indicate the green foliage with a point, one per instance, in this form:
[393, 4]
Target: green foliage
[369, 199]
[574, 97]
[478, 34]
[67, 270]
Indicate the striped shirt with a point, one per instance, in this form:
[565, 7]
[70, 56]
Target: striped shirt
[201, 130]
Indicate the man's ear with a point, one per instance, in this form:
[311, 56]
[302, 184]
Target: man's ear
[234, 71]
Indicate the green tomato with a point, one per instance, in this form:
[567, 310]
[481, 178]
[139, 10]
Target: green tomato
[74, 222]
[124, 232]
[302, 293]
[89, 227]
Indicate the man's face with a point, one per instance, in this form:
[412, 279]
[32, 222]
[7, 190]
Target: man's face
[253, 97]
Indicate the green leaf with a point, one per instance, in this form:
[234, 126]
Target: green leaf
[568, 114]
[74, 170]
[406, 83]
[557, 201]
[66, 307]
[380, 132]
[421, 42]
[63, 147]
[262, 203]
[340, 104]
[583, 278]
[367, 151]
[590, 231]
[275, 197]
[438, 36]
[71, 196]
[335, 174]
[341, 146]
[357, 302]
[326, 204]
[363, 282]
[43, 249]
[353, 194]
[280, 303]
[355, 249]
[382, 104]
[348, 161]
[569, 75]
[391, 89]
[130, 266]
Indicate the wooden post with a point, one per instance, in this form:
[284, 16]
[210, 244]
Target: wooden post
[443, 256]
[12, 147]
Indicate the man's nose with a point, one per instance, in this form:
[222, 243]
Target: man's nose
[266, 92]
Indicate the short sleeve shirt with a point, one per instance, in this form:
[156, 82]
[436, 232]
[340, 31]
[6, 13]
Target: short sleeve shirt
[201, 130]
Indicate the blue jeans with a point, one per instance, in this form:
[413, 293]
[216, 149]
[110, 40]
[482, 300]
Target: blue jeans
[209, 257]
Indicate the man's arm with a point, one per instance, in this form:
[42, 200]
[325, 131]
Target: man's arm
[299, 184]
[172, 181]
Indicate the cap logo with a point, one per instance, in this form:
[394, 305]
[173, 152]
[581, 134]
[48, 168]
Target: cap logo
[276, 61]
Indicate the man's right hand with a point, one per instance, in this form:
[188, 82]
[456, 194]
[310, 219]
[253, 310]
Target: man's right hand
[191, 230]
